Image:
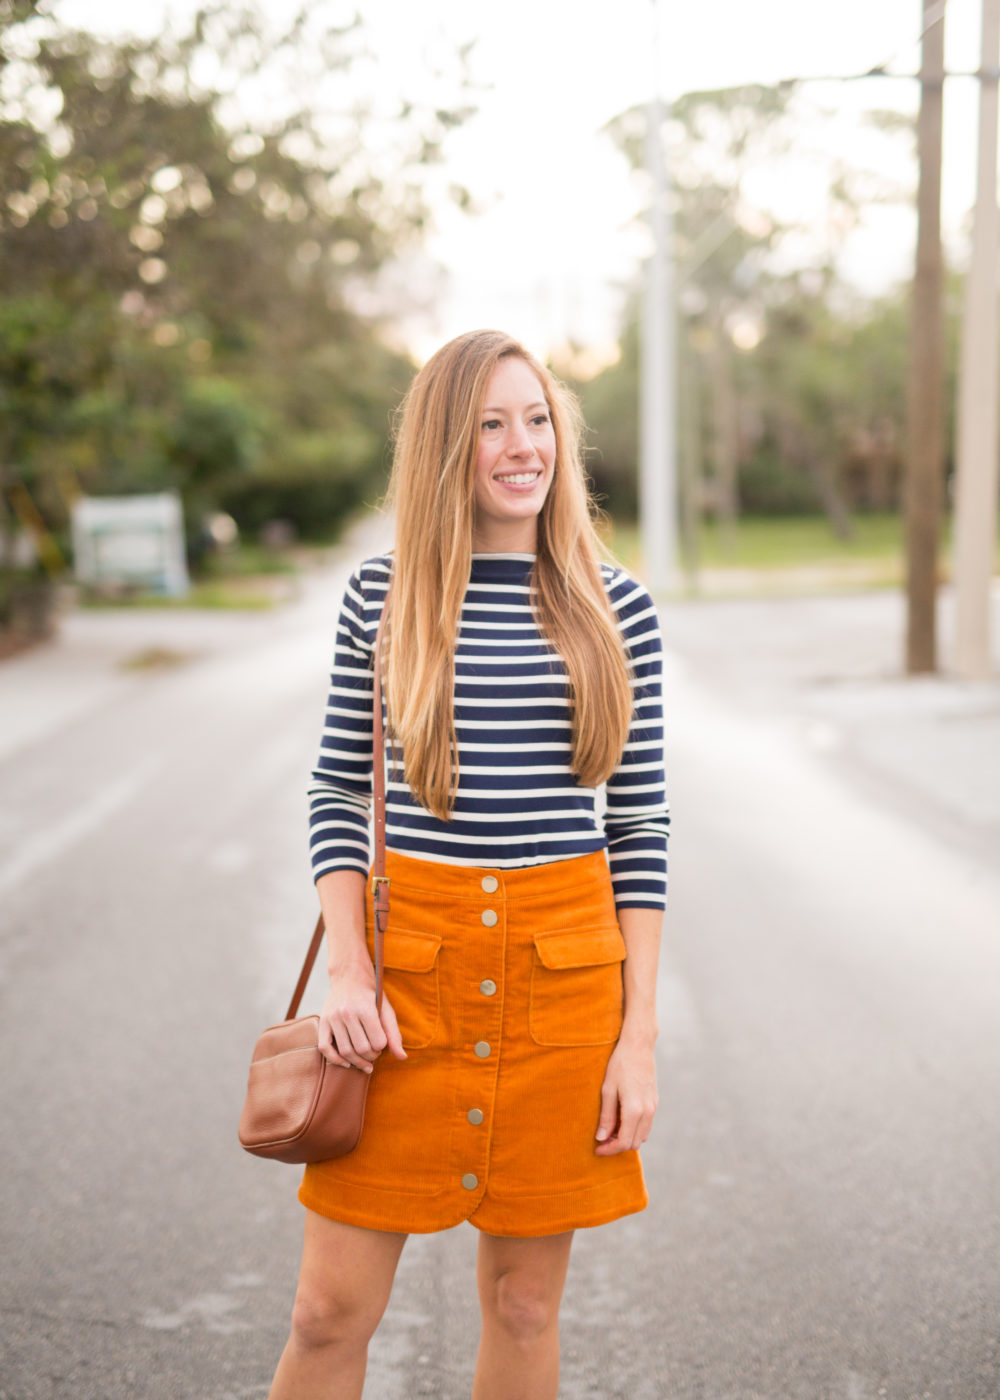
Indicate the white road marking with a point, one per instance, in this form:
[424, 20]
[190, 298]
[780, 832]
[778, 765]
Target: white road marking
[38, 851]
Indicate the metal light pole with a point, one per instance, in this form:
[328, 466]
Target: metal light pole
[976, 478]
[925, 411]
[657, 387]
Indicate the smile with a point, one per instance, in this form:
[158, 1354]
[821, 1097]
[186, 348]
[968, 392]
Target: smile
[518, 478]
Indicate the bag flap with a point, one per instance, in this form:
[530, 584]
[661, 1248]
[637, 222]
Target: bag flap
[406, 951]
[581, 947]
[302, 1034]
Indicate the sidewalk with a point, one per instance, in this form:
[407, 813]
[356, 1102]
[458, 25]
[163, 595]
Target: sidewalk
[102, 651]
[831, 666]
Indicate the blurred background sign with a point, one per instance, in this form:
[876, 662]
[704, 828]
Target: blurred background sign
[131, 542]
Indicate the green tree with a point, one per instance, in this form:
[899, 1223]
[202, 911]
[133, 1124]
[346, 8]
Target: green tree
[770, 358]
[186, 286]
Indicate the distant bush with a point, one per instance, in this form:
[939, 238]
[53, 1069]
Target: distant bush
[318, 480]
[768, 485]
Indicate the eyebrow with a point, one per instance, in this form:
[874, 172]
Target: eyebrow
[530, 408]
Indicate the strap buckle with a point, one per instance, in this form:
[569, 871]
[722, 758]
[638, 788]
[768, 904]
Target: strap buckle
[380, 909]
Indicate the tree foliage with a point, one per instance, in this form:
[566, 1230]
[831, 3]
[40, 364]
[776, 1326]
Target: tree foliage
[792, 386]
[187, 260]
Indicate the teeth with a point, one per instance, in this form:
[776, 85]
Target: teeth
[521, 478]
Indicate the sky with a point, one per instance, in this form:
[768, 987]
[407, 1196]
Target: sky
[555, 243]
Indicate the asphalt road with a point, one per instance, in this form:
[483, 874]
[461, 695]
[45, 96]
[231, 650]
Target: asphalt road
[824, 1170]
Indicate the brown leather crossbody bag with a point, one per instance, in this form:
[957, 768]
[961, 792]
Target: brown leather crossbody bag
[299, 1107]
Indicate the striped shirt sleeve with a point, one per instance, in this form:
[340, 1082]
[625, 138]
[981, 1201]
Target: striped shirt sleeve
[340, 791]
[637, 816]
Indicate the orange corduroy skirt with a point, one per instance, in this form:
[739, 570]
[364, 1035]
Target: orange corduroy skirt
[508, 989]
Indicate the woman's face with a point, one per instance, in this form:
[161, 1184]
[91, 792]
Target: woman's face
[515, 462]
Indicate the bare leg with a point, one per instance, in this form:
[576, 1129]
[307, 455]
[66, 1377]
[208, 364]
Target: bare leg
[344, 1285]
[520, 1289]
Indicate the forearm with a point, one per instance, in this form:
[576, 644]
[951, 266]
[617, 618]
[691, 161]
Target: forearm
[342, 898]
[352, 1030]
[641, 932]
[628, 1095]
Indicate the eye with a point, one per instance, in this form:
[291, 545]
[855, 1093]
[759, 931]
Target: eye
[540, 419]
[491, 425]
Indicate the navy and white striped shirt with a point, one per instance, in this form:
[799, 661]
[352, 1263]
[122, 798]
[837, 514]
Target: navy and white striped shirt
[518, 803]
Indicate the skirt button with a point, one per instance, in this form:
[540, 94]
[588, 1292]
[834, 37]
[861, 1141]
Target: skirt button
[475, 1116]
[489, 917]
[488, 987]
[490, 883]
[482, 1048]
[470, 1182]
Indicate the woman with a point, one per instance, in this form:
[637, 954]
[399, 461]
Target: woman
[520, 955]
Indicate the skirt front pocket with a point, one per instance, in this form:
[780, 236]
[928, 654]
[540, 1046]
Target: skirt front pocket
[412, 983]
[576, 987]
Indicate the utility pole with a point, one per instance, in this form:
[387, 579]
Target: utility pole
[925, 413]
[976, 479]
[657, 387]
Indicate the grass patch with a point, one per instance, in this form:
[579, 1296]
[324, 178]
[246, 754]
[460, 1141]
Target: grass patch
[154, 659]
[765, 542]
[792, 554]
[246, 594]
[249, 561]
[239, 595]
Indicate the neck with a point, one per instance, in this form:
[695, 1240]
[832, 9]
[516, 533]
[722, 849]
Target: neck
[520, 537]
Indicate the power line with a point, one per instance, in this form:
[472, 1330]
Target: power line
[933, 16]
[983, 74]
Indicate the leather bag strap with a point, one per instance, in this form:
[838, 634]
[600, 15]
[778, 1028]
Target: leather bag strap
[307, 968]
[380, 883]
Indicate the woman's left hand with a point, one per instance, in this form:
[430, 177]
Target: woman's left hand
[628, 1096]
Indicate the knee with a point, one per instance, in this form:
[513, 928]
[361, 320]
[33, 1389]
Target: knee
[523, 1308]
[331, 1320]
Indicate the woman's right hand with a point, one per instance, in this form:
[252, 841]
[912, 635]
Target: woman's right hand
[351, 1032]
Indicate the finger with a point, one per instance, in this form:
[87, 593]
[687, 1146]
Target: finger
[339, 1062]
[328, 1049]
[633, 1130]
[644, 1123]
[644, 1126]
[394, 1040]
[366, 1030]
[325, 1039]
[358, 1030]
[608, 1121]
[345, 1044]
[349, 1060]
[629, 1126]
[375, 1031]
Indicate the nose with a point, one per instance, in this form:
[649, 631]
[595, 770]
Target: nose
[518, 441]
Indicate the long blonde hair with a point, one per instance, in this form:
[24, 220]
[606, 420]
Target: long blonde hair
[437, 441]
